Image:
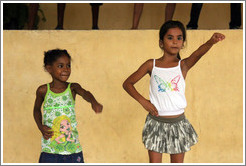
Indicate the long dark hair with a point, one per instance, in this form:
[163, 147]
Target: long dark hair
[172, 24]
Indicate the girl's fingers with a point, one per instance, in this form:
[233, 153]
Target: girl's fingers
[151, 112]
[49, 131]
[151, 109]
[46, 137]
[219, 36]
[154, 112]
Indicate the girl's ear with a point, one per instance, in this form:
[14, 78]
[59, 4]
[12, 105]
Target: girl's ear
[48, 68]
[161, 44]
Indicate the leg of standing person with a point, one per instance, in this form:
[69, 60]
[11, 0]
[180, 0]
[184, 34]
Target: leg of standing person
[60, 15]
[138, 9]
[177, 158]
[194, 15]
[235, 16]
[95, 14]
[33, 10]
[155, 157]
[169, 11]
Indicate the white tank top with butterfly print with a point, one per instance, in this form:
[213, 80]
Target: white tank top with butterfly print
[167, 90]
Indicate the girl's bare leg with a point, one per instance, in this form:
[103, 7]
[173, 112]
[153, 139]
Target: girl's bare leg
[33, 10]
[95, 15]
[155, 157]
[138, 8]
[169, 11]
[60, 15]
[177, 158]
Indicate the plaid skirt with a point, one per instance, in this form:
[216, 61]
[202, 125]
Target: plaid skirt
[168, 135]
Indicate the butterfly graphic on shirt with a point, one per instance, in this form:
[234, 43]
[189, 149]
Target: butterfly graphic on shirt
[164, 86]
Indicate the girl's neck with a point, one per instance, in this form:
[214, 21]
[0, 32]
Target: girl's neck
[169, 58]
[58, 84]
[167, 61]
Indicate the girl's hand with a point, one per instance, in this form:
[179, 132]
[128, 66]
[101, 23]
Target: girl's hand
[46, 132]
[150, 107]
[216, 38]
[97, 107]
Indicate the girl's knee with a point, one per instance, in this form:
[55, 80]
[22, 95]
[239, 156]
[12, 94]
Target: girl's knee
[155, 157]
[177, 158]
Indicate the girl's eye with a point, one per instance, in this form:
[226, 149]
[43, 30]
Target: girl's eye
[62, 127]
[180, 38]
[169, 38]
[69, 66]
[60, 66]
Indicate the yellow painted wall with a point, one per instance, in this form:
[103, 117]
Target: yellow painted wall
[119, 15]
[101, 61]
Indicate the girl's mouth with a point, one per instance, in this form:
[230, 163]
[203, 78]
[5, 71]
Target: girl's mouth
[64, 75]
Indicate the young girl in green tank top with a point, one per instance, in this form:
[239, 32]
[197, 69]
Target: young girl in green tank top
[58, 125]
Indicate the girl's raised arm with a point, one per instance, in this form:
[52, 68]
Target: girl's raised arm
[128, 85]
[196, 55]
[97, 107]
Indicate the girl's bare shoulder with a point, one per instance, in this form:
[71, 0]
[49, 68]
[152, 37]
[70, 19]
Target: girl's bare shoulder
[149, 64]
[42, 89]
[75, 87]
[150, 61]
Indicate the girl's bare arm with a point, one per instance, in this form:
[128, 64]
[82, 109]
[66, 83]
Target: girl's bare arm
[45, 130]
[203, 49]
[97, 107]
[128, 85]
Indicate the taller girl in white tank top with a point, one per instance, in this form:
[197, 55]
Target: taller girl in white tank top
[166, 128]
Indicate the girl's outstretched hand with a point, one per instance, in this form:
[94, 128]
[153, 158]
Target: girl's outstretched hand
[46, 131]
[217, 37]
[149, 107]
[97, 107]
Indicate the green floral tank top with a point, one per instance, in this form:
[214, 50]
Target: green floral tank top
[59, 115]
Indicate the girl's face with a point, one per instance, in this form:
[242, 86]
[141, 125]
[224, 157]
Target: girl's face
[172, 41]
[60, 69]
[65, 126]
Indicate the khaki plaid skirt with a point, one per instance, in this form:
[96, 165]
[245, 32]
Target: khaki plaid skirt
[168, 135]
